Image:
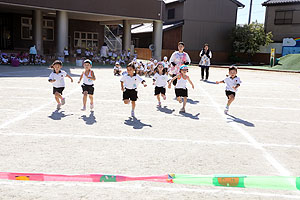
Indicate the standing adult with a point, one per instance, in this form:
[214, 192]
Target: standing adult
[32, 54]
[205, 56]
[104, 52]
[178, 58]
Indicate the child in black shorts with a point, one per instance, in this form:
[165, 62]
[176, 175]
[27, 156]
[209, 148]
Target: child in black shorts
[232, 84]
[57, 78]
[129, 83]
[88, 84]
[160, 81]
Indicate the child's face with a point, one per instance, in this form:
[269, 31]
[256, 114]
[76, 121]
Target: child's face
[180, 47]
[87, 66]
[206, 48]
[57, 67]
[232, 73]
[160, 67]
[184, 71]
[130, 70]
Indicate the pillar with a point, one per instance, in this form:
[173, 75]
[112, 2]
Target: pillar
[126, 42]
[62, 23]
[157, 39]
[37, 30]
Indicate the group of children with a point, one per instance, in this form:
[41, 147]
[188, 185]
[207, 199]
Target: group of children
[21, 59]
[177, 69]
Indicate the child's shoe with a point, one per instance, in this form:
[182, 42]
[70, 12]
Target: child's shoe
[182, 110]
[92, 106]
[159, 104]
[132, 113]
[226, 110]
[58, 106]
[63, 101]
[83, 108]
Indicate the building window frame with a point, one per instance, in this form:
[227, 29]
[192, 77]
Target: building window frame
[26, 25]
[48, 24]
[171, 13]
[86, 39]
[287, 18]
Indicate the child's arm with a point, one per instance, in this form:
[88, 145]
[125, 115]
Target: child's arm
[50, 79]
[189, 80]
[122, 86]
[236, 87]
[170, 82]
[80, 78]
[93, 76]
[69, 77]
[218, 82]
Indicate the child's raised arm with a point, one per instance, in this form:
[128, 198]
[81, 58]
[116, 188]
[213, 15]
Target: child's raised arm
[170, 82]
[69, 77]
[80, 78]
[189, 80]
[122, 86]
[93, 76]
[218, 82]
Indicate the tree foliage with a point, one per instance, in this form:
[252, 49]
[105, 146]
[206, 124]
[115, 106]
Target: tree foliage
[248, 38]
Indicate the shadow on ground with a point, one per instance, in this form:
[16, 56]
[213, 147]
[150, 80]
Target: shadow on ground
[90, 120]
[191, 101]
[58, 115]
[135, 123]
[189, 115]
[165, 109]
[232, 118]
[210, 82]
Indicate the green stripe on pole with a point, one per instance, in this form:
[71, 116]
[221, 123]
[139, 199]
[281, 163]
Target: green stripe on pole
[229, 181]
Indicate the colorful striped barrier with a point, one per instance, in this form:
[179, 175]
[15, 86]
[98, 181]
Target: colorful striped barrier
[240, 181]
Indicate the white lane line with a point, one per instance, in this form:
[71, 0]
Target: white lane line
[138, 186]
[282, 171]
[26, 114]
[151, 139]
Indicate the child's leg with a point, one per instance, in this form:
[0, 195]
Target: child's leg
[202, 72]
[85, 93]
[207, 72]
[91, 99]
[158, 97]
[230, 100]
[179, 99]
[126, 101]
[133, 105]
[58, 97]
[184, 102]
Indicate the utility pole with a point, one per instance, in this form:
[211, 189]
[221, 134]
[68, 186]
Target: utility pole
[250, 11]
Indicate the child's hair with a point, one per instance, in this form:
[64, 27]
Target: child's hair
[180, 43]
[56, 62]
[164, 71]
[233, 68]
[133, 67]
[206, 45]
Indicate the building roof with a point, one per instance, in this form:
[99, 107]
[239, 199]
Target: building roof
[279, 2]
[239, 4]
[148, 27]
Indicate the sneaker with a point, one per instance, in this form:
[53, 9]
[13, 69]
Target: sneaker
[92, 106]
[182, 110]
[58, 106]
[159, 104]
[63, 101]
[83, 108]
[132, 113]
[226, 110]
[201, 79]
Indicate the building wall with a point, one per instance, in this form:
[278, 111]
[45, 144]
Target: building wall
[132, 8]
[283, 31]
[178, 6]
[172, 37]
[210, 22]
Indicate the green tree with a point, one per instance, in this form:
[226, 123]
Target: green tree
[248, 38]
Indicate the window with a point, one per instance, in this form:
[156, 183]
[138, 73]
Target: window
[283, 17]
[48, 30]
[171, 13]
[26, 28]
[85, 39]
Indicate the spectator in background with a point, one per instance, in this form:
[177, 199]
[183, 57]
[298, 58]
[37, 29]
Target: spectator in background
[205, 56]
[66, 54]
[32, 54]
[104, 52]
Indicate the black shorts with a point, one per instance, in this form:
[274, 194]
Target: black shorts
[59, 90]
[130, 94]
[88, 88]
[159, 90]
[228, 93]
[181, 92]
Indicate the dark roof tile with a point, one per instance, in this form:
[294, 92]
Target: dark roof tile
[278, 2]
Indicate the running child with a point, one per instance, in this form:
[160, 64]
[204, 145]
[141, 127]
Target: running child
[129, 84]
[232, 84]
[180, 87]
[117, 69]
[160, 81]
[88, 77]
[57, 78]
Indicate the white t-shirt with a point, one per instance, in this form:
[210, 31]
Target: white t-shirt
[166, 64]
[87, 80]
[181, 82]
[78, 51]
[161, 80]
[179, 59]
[5, 60]
[231, 82]
[66, 52]
[117, 68]
[59, 78]
[131, 82]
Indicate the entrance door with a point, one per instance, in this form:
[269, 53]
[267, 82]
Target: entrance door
[6, 31]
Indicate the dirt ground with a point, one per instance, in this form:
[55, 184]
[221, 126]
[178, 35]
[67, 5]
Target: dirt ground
[260, 136]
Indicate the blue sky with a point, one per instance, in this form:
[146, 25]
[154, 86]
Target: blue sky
[258, 12]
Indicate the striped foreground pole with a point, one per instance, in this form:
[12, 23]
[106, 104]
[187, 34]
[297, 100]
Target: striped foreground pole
[240, 181]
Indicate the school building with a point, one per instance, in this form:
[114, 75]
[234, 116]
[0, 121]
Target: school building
[57, 24]
[195, 22]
